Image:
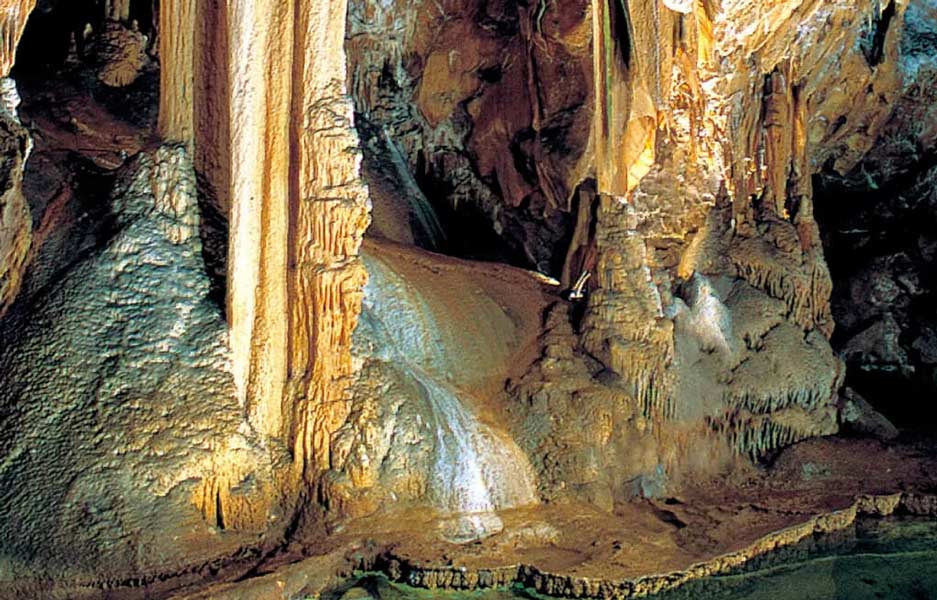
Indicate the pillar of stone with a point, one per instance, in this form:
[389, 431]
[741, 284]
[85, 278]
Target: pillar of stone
[275, 145]
[177, 22]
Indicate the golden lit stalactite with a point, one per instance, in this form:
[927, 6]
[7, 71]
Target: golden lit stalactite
[117, 10]
[329, 213]
[632, 62]
[177, 72]
[13, 16]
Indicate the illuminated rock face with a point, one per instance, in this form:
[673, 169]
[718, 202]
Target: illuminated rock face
[452, 459]
[671, 141]
[666, 148]
[15, 223]
[118, 400]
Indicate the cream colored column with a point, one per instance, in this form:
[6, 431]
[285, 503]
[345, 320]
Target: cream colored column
[330, 214]
[177, 19]
[260, 68]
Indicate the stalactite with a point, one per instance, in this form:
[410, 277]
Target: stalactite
[802, 281]
[629, 79]
[278, 154]
[754, 435]
[117, 10]
[13, 16]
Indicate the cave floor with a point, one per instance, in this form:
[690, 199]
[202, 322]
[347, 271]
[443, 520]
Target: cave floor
[643, 537]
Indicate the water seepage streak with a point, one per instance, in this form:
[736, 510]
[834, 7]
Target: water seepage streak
[476, 469]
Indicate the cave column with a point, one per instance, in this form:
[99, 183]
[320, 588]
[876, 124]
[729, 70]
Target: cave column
[624, 325]
[177, 22]
[276, 150]
[259, 53]
[329, 214]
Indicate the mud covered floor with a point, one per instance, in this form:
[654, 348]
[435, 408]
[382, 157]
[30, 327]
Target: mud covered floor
[639, 538]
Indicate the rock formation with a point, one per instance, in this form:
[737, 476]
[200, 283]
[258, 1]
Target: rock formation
[15, 225]
[202, 362]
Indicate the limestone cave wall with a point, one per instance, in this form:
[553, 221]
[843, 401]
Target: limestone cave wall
[202, 360]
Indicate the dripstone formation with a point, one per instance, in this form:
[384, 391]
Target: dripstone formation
[269, 270]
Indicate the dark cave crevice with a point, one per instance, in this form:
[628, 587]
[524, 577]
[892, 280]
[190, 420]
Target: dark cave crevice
[880, 244]
[873, 46]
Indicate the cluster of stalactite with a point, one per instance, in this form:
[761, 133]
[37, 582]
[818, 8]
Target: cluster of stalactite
[753, 434]
[690, 92]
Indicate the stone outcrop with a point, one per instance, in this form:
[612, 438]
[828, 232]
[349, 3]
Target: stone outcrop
[117, 400]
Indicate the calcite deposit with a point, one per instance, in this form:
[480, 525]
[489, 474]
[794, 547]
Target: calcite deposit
[458, 278]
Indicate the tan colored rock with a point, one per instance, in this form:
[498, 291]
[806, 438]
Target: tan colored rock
[280, 156]
[15, 220]
[13, 21]
[122, 54]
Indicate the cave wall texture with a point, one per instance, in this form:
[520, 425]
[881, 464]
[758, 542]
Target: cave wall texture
[183, 377]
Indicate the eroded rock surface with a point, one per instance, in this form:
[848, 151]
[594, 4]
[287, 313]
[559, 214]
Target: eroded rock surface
[117, 398]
